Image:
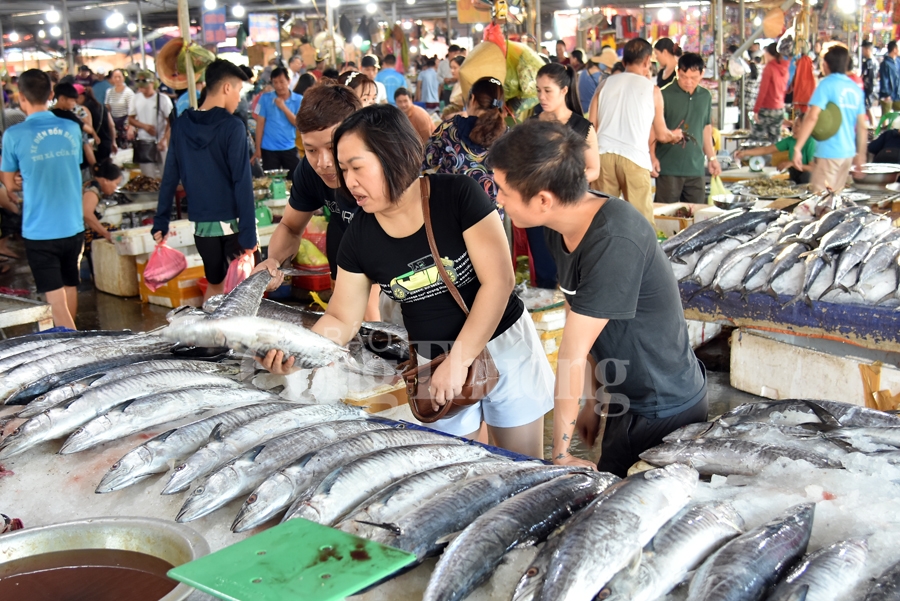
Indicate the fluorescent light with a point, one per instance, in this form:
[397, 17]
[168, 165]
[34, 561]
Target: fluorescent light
[56, 31]
[664, 15]
[115, 20]
[52, 15]
[132, 27]
[410, 1]
[238, 11]
[209, 4]
[371, 8]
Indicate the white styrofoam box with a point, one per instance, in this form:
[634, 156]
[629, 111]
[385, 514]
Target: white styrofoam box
[551, 315]
[190, 254]
[550, 346]
[549, 326]
[778, 366]
[264, 233]
[138, 241]
[701, 332]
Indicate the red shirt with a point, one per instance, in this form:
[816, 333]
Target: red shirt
[857, 79]
[773, 86]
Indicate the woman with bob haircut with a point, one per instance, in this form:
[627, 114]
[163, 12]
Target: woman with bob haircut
[379, 157]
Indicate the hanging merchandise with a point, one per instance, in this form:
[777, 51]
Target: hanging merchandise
[804, 83]
[345, 27]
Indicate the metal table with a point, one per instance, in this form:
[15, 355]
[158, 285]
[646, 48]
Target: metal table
[15, 311]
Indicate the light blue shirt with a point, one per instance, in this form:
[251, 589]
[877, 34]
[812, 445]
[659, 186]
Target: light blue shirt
[278, 134]
[842, 91]
[428, 80]
[392, 80]
[183, 103]
[47, 150]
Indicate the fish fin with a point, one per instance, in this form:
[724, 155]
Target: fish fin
[828, 258]
[771, 292]
[794, 300]
[217, 433]
[678, 260]
[831, 288]
[886, 297]
[698, 291]
[806, 254]
[253, 453]
[844, 288]
[825, 416]
[808, 300]
[447, 538]
[393, 528]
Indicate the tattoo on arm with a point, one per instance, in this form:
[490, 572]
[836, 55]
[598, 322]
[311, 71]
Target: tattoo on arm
[565, 437]
[561, 456]
[572, 423]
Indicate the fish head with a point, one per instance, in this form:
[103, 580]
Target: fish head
[666, 453]
[689, 432]
[126, 471]
[270, 497]
[529, 585]
[18, 439]
[185, 473]
[209, 496]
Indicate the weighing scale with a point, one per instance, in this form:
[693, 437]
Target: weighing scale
[277, 191]
[298, 559]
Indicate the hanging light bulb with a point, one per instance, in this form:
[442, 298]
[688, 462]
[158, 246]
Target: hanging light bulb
[115, 20]
[357, 41]
[413, 49]
[847, 6]
[410, 1]
[548, 35]
[132, 27]
[514, 10]
[209, 4]
[479, 27]
[238, 11]
[56, 31]
[757, 22]
[371, 8]
[52, 16]
[13, 36]
[573, 3]
[41, 34]
[664, 15]
[407, 25]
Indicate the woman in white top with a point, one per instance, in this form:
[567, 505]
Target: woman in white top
[118, 99]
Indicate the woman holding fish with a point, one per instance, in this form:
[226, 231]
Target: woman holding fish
[387, 244]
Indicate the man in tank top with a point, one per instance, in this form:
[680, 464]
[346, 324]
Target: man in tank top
[630, 114]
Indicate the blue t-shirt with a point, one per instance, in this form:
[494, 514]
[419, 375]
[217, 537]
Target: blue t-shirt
[47, 150]
[183, 102]
[392, 80]
[278, 134]
[428, 79]
[847, 95]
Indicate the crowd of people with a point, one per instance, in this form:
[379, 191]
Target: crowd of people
[365, 142]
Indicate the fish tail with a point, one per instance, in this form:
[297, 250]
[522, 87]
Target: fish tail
[886, 297]
[831, 288]
[394, 528]
[771, 292]
[794, 300]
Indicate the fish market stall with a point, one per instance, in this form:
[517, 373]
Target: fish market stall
[15, 311]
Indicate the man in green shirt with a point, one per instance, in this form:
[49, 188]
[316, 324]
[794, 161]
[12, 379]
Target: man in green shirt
[687, 106]
[788, 144]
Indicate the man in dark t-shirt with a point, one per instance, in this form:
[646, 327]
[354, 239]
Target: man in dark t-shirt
[66, 98]
[623, 302]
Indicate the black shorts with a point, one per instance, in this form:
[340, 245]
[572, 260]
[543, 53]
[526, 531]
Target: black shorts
[217, 253]
[54, 263]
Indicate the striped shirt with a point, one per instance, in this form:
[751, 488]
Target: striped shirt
[118, 102]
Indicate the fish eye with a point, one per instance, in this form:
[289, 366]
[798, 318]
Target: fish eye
[251, 499]
[604, 594]
[116, 465]
[199, 491]
[532, 572]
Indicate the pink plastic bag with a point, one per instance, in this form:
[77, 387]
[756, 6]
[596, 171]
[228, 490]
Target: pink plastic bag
[239, 270]
[165, 264]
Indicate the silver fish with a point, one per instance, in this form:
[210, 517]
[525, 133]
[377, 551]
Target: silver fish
[695, 228]
[813, 265]
[791, 232]
[65, 419]
[21, 344]
[726, 456]
[829, 222]
[879, 259]
[525, 519]
[602, 538]
[887, 586]
[223, 447]
[794, 412]
[701, 234]
[395, 501]
[153, 456]
[758, 263]
[783, 263]
[741, 224]
[347, 487]
[747, 250]
[841, 236]
[73, 389]
[862, 436]
[241, 475]
[746, 567]
[678, 548]
[21, 377]
[874, 226]
[156, 409]
[850, 258]
[422, 530]
[26, 355]
[299, 480]
[830, 573]
[256, 335]
[244, 300]
[889, 236]
[712, 259]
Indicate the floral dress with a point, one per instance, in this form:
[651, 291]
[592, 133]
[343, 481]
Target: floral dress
[450, 150]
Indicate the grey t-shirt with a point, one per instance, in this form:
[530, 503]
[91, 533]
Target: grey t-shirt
[619, 272]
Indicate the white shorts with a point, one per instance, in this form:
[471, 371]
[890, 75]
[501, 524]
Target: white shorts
[524, 392]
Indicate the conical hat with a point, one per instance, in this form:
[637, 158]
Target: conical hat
[167, 65]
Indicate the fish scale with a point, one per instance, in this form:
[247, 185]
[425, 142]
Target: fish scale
[602, 538]
[157, 409]
[784, 262]
[345, 488]
[877, 261]
[525, 519]
[153, 456]
[225, 446]
[20, 344]
[830, 573]
[887, 586]
[744, 568]
[244, 300]
[734, 226]
[65, 419]
[850, 258]
[695, 228]
[800, 411]
[308, 472]
[242, 474]
[746, 250]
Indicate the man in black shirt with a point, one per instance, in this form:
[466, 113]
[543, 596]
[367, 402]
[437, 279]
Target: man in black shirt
[623, 302]
[66, 98]
[869, 69]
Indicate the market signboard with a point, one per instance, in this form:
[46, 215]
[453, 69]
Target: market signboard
[264, 28]
[214, 26]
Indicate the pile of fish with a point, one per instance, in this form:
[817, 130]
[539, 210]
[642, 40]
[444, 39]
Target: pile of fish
[848, 255]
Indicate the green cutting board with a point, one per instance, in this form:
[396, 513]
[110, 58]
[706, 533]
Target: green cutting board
[298, 559]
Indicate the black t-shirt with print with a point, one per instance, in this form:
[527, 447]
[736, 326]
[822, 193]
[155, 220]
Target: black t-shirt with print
[309, 193]
[405, 269]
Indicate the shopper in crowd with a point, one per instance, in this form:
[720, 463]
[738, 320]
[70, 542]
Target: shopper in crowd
[184, 101]
[688, 107]
[630, 110]
[460, 145]
[869, 70]
[85, 76]
[667, 55]
[47, 151]
[82, 113]
[559, 102]
[798, 176]
[306, 81]
[836, 155]
[624, 306]
[615, 66]
[387, 236]
[369, 67]
[10, 226]
[391, 77]
[428, 86]
[561, 55]
[66, 97]
[577, 61]
[886, 147]
[208, 155]
[118, 99]
[889, 77]
[446, 79]
[769, 107]
[101, 87]
[456, 98]
[419, 117]
[104, 128]
[275, 118]
[295, 67]
[106, 177]
[149, 115]
[315, 183]
[361, 84]
[319, 70]
[596, 70]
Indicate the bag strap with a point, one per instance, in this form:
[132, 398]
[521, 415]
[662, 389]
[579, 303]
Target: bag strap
[429, 231]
